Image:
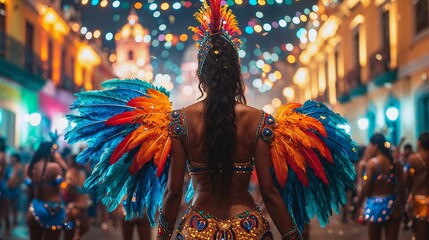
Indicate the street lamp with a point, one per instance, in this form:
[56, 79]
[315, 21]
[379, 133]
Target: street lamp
[392, 113]
[363, 123]
[35, 119]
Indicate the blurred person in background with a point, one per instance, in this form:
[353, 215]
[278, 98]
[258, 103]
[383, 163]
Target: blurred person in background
[142, 224]
[46, 214]
[402, 157]
[3, 185]
[417, 184]
[76, 199]
[14, 177]
[383, 190]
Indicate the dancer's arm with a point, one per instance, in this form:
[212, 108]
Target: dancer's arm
[271, 196]
[366, 183]
[173, 192]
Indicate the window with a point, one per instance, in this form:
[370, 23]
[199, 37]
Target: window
[130, 55]
[356, 52]
[50, 58]
[72, 66]
[29, 46]
[2, 17]
[339, 83]
[421, 10]
[7, 125]
[326, 92]
[63, 67]
[385, 28]
[2, 29]
[423, 112]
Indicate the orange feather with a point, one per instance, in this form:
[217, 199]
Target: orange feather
[279, 164]
[161, 156]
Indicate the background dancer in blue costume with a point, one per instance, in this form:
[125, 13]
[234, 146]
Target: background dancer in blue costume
[384, 190]
[46, 214]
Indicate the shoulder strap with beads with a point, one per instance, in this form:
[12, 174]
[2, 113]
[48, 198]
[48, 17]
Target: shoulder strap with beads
[266, 127]
[177, 126]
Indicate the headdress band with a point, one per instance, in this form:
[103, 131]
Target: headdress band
[214, 19]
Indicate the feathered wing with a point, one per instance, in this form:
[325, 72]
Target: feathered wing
[312, 159]
[126, 126]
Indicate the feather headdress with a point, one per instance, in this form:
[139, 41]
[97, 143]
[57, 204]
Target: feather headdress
[214, 19]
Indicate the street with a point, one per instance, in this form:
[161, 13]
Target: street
[334, 231]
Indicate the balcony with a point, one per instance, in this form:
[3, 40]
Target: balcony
[19, 63]
[353, 82]
[379, 66]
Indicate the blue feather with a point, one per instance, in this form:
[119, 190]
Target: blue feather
[135, 84]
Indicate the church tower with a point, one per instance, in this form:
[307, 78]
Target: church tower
[132, 50]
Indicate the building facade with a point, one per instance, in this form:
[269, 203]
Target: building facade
[43, 61]
[370, 61]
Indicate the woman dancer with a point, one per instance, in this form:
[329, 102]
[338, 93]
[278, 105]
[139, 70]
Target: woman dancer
[383, 188]
[15, 176]
[76, 199]
[416, 181]
[143, 146]
[46, 214]
[3, 184]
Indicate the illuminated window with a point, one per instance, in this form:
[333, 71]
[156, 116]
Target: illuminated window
[421, 10]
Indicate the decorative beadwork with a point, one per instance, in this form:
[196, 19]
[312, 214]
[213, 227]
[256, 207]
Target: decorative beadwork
[250, 224]
[49, 215]
[293, 234]
[378, 209]
[196, 168]
[163, 230]
[267, 126]
[176, 127]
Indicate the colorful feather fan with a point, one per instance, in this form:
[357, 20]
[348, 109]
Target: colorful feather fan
[126, 126]
[312, 160]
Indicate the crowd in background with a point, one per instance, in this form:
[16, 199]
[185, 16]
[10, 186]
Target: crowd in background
[391, 191]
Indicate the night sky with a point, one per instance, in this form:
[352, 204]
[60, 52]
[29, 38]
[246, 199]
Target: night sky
[110, 19]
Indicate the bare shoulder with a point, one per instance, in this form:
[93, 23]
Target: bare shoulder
[55, 168]
[196, 108]
[248, 111]
[414, 160]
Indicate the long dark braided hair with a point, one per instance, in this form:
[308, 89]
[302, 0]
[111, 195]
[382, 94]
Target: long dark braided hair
[222, 81]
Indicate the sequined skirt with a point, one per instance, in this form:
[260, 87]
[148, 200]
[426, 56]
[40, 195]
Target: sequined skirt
[49, 215]
[378, 209]
[420, 207]
[198, 225]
